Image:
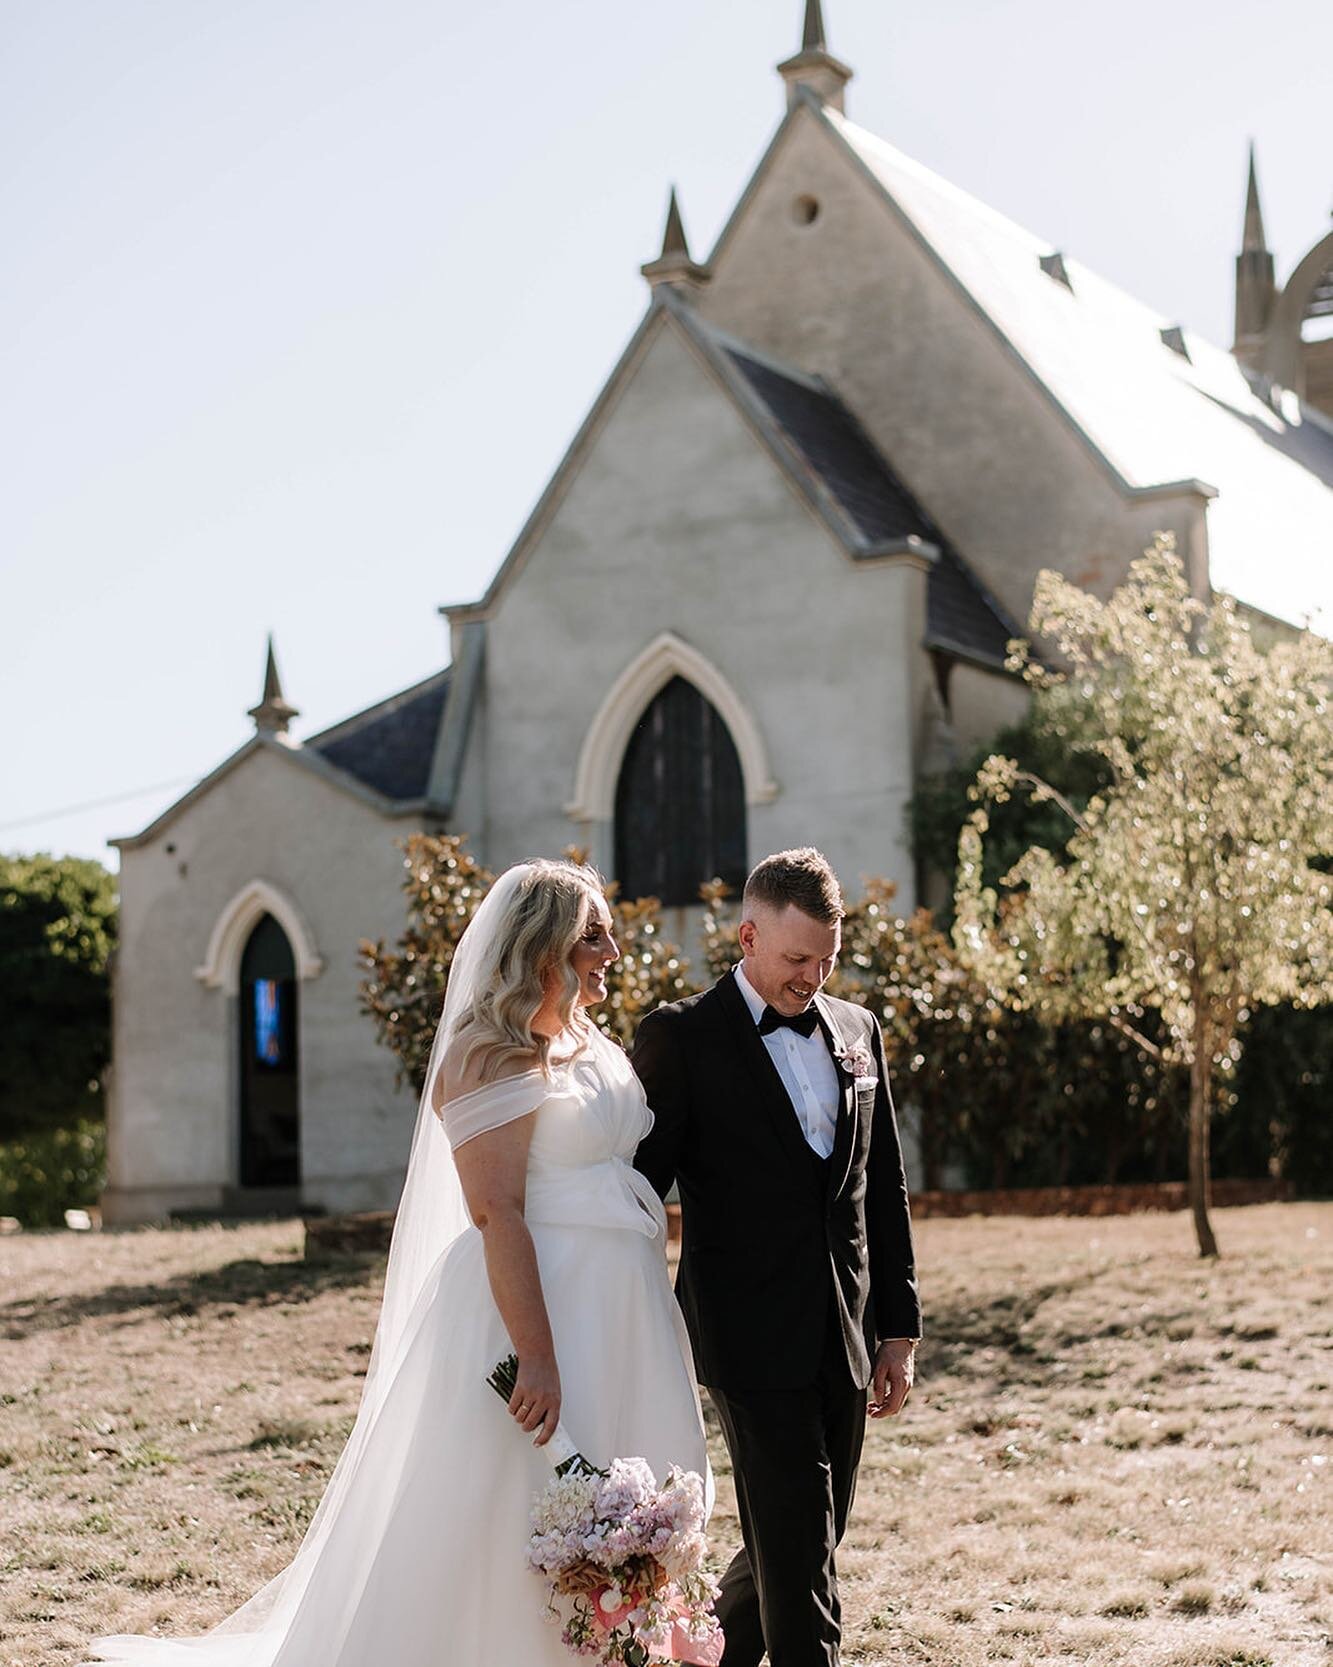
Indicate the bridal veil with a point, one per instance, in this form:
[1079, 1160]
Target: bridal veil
[431, 1215]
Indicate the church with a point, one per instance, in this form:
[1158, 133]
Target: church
[769, 585]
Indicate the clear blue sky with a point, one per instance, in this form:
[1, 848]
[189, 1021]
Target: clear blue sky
[303, 299]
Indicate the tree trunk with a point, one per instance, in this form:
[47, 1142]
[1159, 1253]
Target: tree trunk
[1115, 1150]
[1201, 1071]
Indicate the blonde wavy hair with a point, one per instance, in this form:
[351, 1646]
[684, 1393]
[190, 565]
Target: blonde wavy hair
[547, 918]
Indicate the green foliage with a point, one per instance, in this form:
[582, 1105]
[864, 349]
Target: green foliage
[944, 802]
[57, 932]
[1009, 1100]
[1123, 1111]
[1001, 1095]
[1278, 1117]
[45, 1173]
[650, 970]
[1192, 885]
[403, 988]
[1186, 885]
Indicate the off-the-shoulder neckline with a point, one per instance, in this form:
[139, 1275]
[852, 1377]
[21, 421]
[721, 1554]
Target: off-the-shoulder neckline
[487, 1087]
[533, 1071]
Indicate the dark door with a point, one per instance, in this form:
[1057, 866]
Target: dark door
[270, 1110]
[680, 801]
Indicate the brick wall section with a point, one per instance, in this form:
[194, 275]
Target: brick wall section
[1093, 1201]
[369, 1231]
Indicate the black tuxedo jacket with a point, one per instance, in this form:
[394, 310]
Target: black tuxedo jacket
[771, 1233]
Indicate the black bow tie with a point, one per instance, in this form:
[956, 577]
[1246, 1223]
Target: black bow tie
[772, 1020]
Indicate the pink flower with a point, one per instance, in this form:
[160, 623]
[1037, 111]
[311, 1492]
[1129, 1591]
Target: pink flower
[678, 1640]
[858, 1062]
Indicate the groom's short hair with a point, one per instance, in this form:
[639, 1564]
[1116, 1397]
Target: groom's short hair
[802, 877]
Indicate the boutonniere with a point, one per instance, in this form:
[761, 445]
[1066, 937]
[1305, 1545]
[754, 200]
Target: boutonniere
[857, 1061]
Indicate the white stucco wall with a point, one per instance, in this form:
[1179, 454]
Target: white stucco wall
[173, 1121]
[679, 520]
[854, 297]
[981, 703]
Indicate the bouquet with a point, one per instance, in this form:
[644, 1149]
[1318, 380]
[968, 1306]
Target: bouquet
[623, 1557]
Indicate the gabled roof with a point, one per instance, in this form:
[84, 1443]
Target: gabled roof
[827, 456]
[816, 441]
[381, 756]
[1152, 415]
[836, 449]
[390, 745]
[961, 615]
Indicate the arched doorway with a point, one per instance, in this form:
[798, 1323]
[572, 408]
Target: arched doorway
[680, 800]
[270, 1121]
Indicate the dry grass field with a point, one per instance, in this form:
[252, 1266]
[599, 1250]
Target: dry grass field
[1115, 1453]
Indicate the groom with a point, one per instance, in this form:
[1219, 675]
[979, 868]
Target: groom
[796, 1272]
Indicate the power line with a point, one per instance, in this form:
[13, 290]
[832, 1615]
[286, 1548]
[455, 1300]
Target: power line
[93, 804]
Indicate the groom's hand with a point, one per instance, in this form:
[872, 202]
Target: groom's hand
[895, 1368]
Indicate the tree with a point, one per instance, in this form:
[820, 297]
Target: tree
[942, 803]
[403, 988]
[57, 932]
[1191, 887]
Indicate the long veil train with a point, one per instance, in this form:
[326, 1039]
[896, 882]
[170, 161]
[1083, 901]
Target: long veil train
[431, 1215]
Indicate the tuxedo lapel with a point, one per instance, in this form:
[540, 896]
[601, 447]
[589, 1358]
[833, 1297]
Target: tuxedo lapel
[844, 1135]
[773, 1094]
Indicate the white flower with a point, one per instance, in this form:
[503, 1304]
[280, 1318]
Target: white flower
[857, 1061]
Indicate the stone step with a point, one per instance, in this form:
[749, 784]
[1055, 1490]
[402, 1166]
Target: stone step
[252, 1204]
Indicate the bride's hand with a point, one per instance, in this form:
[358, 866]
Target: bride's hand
[536, 1397]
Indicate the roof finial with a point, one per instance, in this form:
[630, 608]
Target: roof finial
[673, 265]
[814, 66]
[1253, 237]
[274, 712]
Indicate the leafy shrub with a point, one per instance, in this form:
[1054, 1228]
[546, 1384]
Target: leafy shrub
[46, 1173]
[57, 932]
[403, 990]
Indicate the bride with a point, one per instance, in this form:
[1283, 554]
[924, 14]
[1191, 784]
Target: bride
[522, 1228]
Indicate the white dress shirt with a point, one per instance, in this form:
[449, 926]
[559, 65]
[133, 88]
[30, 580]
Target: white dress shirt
[807, 1070]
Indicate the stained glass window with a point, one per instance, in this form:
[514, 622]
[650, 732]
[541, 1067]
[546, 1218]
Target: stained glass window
[268, 1021]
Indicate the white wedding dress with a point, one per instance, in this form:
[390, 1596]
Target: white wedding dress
[416, 1557]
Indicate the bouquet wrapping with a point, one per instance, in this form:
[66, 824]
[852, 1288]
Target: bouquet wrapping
[623, 1556]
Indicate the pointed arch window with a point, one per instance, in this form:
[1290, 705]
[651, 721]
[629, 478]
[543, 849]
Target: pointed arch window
[270, 1131]
[680, 800]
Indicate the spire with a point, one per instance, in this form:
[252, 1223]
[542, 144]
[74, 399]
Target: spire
[673, 239]
[273, 714]
[1256, 286]
[814, 66]
[674, 266]
[1253, 237]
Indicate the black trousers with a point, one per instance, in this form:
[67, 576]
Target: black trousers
[795, 1454]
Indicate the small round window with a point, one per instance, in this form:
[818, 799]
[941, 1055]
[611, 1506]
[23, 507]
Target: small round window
[805, 211]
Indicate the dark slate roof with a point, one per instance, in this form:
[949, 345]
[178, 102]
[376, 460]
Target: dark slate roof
[960, 614]
[390, 745]
[839, 451]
